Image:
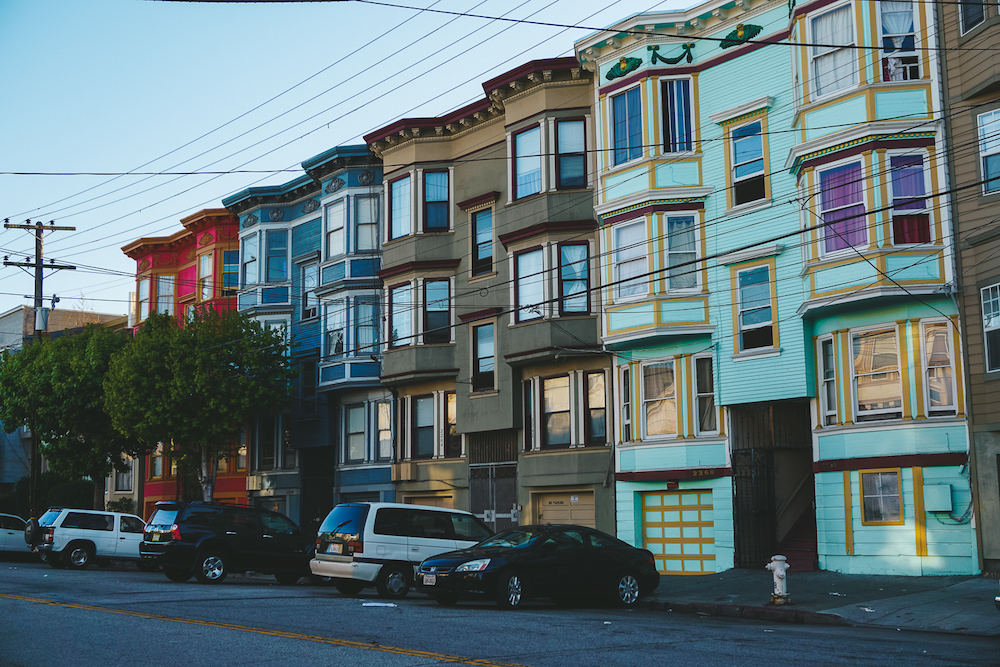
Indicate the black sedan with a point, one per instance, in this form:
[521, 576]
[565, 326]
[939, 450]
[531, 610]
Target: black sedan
[560, 562]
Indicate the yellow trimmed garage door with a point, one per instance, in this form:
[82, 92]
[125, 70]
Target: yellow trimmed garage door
[576, 508]
[677, 526]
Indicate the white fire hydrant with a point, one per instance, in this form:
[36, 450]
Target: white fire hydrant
[778, 566]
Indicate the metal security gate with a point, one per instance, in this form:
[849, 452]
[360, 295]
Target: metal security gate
[493, 478]
[754, 511]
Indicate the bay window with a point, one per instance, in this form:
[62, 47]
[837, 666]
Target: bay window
[400, 323]
[310, 301]
[876, 377]
[205, 277]
[626, 124]
[365, 326]
[938, 369]
[230, 272]
[422, 442]
[631, 260]
[556, 412]
[452, 438]
[681, 252]
[529, 285]
[399, 208]
[354, 425]
[277, 256]
[828, 382]
[910, 215]
[436, 201]
[842, 207]
[143, 299]
[677, 116]
[165, 295]
[832, 55]
[437, 311]
[705, 395]
[659, 407]
[336, 218]
[249, 256]
[595, 410]
[527, 162]
[366, 222]
[336, 325]
[482, 251]
[483, 358]
[971, 13]
[571, 154]
[899, 57]
[384, 422]
[989, 150]
[574, 279]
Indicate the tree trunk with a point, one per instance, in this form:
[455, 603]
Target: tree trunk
[99, 493]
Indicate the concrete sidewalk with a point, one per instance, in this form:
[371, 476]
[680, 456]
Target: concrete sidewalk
[956, 604]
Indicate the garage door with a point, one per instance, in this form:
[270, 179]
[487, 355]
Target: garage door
[678, 527]
[433, 501]
[576, 508]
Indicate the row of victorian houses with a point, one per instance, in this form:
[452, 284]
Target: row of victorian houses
[725, 283]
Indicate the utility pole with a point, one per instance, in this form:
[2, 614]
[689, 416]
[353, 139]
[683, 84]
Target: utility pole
[40, 325]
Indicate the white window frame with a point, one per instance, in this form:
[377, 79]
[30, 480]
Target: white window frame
[613, 156]
[648, 401]
[365, 221]
[638, 254]
[669, 115]
[402, 308]
[950, 409]
[165, 300]
[336, 320]
[535, 159]
[827, 379]
[963, 29]
[688, 256]
[530, 311]
[310, 300]
[405, 208]
[348, 433]
[699, 395]
[742, 308]
[989, 147]
[142, 298]
[925, 175]
[249, 256]
[813, 56]
[761, 173]
[335, 228]
[206, 278]
[882, 413]
[915, 54]
[822, 211]
[990, 303]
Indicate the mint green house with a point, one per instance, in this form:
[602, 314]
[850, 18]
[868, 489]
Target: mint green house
[777, 277]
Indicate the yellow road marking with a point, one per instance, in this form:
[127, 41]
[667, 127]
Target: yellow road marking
[274, 633]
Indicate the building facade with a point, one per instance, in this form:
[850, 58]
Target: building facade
[489, 262]
[777, 275]
[196, 267]
[971, 65]
[310, 259]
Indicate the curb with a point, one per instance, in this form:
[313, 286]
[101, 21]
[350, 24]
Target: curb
[772, 614]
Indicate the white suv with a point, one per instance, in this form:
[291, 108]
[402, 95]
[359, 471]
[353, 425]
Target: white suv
[360, 544]
[74, 538]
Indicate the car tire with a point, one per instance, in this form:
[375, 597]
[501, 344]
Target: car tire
[180, 576]
[32, 532]
[393, 581]
[349, 587]
[446, 600]
[211, 567]
[78, 555]
[287, 578]
[626, 590]
[510, 590]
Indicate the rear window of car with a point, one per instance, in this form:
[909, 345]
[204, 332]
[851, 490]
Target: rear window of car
[49, 517]
[349, 519]
[163, 518]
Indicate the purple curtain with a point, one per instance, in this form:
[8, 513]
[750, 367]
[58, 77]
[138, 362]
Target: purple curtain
[908, 195]
[841, 190]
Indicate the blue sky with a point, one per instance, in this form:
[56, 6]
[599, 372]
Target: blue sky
[136, 85]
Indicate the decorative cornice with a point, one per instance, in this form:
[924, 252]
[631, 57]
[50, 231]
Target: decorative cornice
[901, 461]
[644, 207]
[479, 201]
[868, 142]
[413, 267]
[480, 314]
[547, 228]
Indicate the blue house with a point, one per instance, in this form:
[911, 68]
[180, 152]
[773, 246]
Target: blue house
[776, 288]
[309, 256]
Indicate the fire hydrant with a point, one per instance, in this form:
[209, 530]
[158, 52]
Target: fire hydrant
[777, 566]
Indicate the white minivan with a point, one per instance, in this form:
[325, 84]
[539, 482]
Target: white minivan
[360, 544]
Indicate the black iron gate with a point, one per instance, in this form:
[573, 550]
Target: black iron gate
[493, 478]
[754, 511]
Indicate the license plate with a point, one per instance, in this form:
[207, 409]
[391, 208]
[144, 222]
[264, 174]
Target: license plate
[430, 579]
[334, 548]
[155, 537]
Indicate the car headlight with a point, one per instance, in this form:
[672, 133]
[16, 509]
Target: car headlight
[473, 565]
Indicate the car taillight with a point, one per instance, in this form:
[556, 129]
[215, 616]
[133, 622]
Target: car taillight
[319, 544]
[175, 532]
[355, 546]
[47, 535]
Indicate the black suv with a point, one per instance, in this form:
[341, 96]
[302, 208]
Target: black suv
[210, 540]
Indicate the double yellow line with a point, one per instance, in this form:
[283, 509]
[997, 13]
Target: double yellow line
[273, 633]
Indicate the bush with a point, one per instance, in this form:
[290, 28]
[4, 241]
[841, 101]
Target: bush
[126, 505]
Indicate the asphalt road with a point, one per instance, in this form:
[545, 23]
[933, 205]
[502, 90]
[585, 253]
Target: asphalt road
[117, 615]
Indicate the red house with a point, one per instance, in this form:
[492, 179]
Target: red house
[196, 267]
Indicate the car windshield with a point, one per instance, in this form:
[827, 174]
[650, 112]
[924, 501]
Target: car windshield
[49, 517]
[515, 537]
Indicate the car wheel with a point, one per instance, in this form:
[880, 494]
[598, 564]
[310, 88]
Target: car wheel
[32, 532]
[287, 578]
[626, 590]
[446, 600]
[211, 568]
[179, 576]
[349, 586]
[79, 555]
[144, 566]
[393, 581]
[510, 590]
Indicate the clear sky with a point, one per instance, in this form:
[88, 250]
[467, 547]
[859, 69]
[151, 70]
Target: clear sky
[117, 86]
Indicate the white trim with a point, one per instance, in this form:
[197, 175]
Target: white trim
[750, 254]
[721, 117]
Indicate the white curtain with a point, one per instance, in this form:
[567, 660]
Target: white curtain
[833, 64]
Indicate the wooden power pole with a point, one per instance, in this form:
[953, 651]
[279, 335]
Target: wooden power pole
[40, 325]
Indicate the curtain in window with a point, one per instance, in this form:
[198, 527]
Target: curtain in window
[833, 65]
[897, 19]
[555, 411]
[630, 256]
[907, 195]
[843, 207]
[658, 396]
[367, 329]
[681, 241]
[573, 277]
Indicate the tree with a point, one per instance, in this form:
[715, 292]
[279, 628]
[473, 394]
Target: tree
[55, 387]
[195, 386]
